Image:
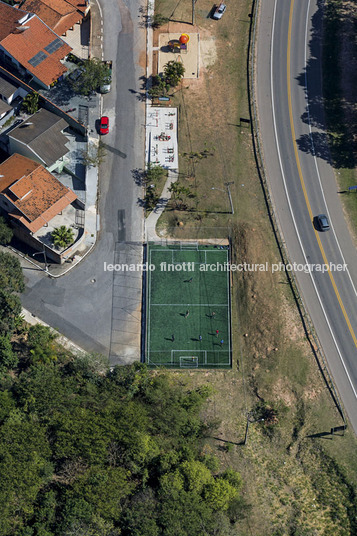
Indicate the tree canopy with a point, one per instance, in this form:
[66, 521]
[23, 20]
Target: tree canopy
[84, 452]
[94, 73]
[90, 451]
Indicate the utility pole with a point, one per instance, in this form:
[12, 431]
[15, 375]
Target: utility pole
[228, 191]
[44, 255]
[193, 12]
[229, 194]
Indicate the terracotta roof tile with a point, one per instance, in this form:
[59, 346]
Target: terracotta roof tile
[59, 15]
[24, 44]
[37, 195]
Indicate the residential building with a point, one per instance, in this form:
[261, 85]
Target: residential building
[30, 46]
[59, 15]
[35, 203]
[41, 138]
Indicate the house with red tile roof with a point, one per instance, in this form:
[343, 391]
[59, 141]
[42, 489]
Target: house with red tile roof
[30, 195]
[59, 15]
[31, 46]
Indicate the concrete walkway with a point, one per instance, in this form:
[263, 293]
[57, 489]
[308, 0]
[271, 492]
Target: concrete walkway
[151, 220]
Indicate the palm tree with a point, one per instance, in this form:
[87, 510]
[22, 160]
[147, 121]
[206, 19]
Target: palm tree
[62, 236]
[173, 72]
[30, 102]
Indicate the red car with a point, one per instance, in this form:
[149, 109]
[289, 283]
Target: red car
[104, 125]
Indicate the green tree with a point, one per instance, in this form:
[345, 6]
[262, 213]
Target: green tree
[8, 358]
[11, 275]
[62, 236]
[95, 154]
[140, 515]
[154, 173]
[219, 493]
[10, 309]
[173, 72]
[24, 469]
[30, 102]
[151, 198]
[158, 20]
[104, 489]
[196, 474]
[179, 195]
[94, 74]
[42, 345]
[159, 86]
[7, 404]
[5, 232]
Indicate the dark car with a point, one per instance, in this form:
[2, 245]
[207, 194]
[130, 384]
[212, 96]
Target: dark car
[104, 125]
[219, 11]
[323, 222]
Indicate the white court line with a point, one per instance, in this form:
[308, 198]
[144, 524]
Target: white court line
[191, 304]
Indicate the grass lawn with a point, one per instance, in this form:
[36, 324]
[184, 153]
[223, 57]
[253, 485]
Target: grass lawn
[188, 307]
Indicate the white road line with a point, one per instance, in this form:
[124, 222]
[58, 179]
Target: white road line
[314, 155]
[288, 197]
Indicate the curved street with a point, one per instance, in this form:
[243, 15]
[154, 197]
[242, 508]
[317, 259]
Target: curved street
[100, 310]
[291, 118]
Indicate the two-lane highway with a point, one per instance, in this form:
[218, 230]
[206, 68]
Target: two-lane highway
[291, 118]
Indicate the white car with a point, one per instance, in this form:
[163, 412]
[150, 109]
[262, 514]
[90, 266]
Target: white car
[219, 11]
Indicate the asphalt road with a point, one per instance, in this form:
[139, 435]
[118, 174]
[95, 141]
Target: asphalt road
[100, 310]
[302, 181]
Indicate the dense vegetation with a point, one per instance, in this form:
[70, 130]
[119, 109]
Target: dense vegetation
[119, 453]
[89, 451]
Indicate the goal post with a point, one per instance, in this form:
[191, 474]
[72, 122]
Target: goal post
[189, 358]
[188, 361]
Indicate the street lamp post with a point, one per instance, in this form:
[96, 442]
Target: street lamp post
[228, 191]
[44, 254]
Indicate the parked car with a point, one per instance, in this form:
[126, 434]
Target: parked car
[104, 125]
[323, 222]
[74, 75]
[219, 11]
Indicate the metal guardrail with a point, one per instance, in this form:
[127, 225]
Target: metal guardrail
[305, 317]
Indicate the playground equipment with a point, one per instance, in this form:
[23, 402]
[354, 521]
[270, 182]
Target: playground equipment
[179, 45]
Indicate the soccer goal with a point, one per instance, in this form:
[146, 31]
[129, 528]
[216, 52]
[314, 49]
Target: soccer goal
[188, 361]
[189, 358]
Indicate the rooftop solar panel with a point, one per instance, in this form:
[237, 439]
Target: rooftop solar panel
[38, 58]
[55, 45]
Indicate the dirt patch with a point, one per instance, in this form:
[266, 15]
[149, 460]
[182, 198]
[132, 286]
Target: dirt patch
[208, 51]
[282, 391]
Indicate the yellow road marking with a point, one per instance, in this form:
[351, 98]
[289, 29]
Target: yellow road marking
[303, 182]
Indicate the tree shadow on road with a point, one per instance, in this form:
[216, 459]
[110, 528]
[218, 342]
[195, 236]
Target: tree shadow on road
[333, 114]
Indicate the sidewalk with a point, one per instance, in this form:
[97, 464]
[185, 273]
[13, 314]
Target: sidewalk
[151, 220]
[173, 171]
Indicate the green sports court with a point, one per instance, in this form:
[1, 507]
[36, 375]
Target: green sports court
[188, 311]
